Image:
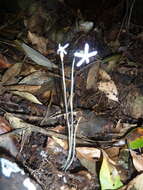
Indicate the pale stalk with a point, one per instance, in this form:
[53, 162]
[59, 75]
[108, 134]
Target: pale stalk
[72, 120]
[66, 107]
[74, 144]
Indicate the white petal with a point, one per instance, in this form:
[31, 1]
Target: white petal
[77, 54]
[86, 48]
[65, 46]
[91, 54]
[80, 63]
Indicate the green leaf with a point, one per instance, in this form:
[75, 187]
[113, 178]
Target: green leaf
[135, 138]
[109, 177]
[138, 143]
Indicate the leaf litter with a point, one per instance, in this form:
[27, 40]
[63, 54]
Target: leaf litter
[107, 98]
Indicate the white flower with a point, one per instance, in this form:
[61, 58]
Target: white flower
[85, 55]
[61, 50]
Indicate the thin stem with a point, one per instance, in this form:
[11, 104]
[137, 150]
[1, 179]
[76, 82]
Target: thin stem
[74, 144]
[66, 109]
[72, 120]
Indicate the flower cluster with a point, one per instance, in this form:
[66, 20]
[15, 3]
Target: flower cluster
[84, 55]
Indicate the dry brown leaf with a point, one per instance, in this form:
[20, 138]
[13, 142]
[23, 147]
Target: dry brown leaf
[4, 62]
[86, 156]
[28, 69]
[110, 90]
[33, 78]
[91, 78]
[135, 184]
[107, 86]
[24, 88]
[27, 96]
[61, 142]
[13, 71]
[137, 160]
[40, 42]
[4, 125]
[88, 153]
[104, 75]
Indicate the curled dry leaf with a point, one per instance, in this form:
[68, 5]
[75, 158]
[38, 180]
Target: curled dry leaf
[4, 126]
[12, 72]
[40, 42]
[88, 153]
[106, 85]
[87, 156]
[4, 62]
[55, 145]
[135, 184]
[137, 160]
[92, 76]
[27, 96]
[61, 142]
[8, 142]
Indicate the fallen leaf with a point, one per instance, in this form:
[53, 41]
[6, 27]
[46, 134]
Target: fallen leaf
[137, 160]
[135, 138]
[4, 126]
[109, 177]
[135, 184]
[4, 62]
[104, 75]
[40, 42]
[87, 156]
[12, 72]
[33, 78]
[37, 57]
[107, 86]
[88, 153]
[90, 165]
[92, 77]
[61, 142]
[27, 96]
[24, 88]
[110, 90]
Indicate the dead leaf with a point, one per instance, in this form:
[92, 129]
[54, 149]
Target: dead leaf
[27, 96]
[92, 77]
[33, 78]
[28, 69]
[61, 142]
[37, 57]
[104, 75]
[24, 88]
[135, 184]
[12, 72]
[88, 153]
[137, 160]
[40, 42]
[110, 90]
[107, 86]
[4, 126]
[4, 62]
[87, 156]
